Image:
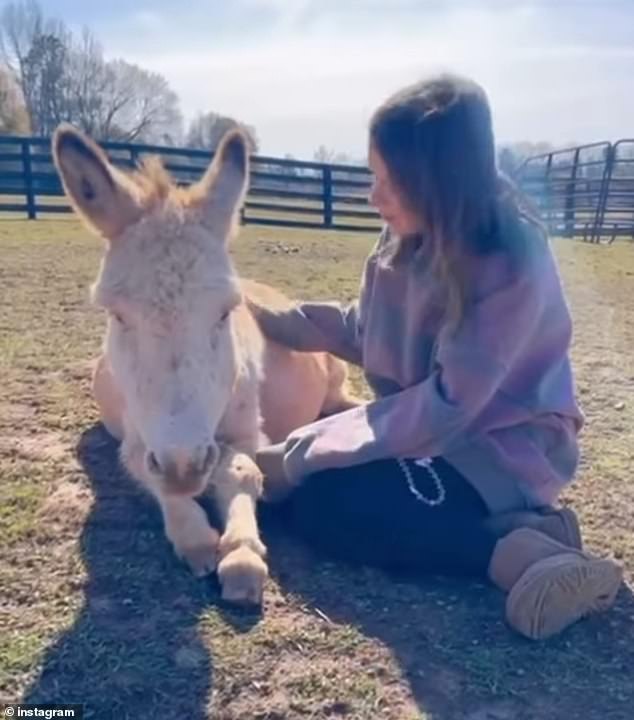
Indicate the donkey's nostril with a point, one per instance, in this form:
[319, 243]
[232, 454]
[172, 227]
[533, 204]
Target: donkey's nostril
[153, 464]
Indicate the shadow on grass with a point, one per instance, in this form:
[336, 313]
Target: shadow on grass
[449, 638]
[134, 650]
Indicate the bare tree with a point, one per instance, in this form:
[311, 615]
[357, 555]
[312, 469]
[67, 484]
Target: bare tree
[21, 23]
[327, 156]
[324, 155]
[508, 160]
[47, 82]
[65, 78]
[139, 105]
[207, 130]
[14, 119]
[88, 81]
[34, 51]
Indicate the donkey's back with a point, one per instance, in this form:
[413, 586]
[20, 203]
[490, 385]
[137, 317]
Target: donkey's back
[296, 387]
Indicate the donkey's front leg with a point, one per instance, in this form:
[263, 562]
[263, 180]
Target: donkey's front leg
[242, 571]
[188, 529]
[186, 524]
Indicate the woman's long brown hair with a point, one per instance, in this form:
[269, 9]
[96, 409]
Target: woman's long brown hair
[436, 140]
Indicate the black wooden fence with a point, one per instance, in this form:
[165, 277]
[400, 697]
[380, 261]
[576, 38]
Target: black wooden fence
[290, 193]
[586, 191]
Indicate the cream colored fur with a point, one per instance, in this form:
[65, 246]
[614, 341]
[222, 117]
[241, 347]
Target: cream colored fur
[186, 381]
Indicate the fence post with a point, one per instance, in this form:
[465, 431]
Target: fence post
[549, 193]
[31, 207]
[569, 212]
[599, 216]
[327, 178]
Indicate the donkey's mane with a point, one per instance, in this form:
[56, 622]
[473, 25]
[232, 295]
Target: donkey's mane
[155, 185]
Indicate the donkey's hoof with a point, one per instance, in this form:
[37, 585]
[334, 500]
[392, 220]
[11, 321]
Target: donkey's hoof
[242, 574]
[201, 558]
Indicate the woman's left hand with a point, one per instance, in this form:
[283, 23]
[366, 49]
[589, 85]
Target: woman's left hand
[270, 460]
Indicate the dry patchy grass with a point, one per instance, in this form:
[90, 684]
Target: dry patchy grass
[95, 609]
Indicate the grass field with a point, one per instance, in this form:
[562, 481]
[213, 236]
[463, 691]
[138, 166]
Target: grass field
[95, 609]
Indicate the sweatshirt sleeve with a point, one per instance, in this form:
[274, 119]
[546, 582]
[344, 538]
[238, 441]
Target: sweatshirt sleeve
[312, 327]
[425, 419]
[321, 326]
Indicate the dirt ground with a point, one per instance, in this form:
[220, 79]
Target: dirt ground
[95, 609]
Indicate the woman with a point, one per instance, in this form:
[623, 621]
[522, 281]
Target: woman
[463, 333]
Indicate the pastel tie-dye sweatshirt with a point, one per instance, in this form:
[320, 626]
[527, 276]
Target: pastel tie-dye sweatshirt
[494, 396]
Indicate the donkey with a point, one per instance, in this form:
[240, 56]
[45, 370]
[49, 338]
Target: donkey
[186, 381]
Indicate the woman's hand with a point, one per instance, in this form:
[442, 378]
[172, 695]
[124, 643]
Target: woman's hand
[270, 460]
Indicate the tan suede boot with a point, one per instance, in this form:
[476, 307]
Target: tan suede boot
[550, 585]
[560, 524]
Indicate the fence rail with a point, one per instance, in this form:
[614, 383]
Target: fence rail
[585, 191]
[284, 192]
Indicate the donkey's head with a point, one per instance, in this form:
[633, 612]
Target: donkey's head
[169, 287]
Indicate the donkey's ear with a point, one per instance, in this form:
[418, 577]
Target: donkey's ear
[221, 191]
[100, 194]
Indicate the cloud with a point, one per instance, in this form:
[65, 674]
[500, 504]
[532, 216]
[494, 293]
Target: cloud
[148, 20]
[306, 73]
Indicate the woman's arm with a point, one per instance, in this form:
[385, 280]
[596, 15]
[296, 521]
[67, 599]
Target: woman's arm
[327, 327]
[425, 419]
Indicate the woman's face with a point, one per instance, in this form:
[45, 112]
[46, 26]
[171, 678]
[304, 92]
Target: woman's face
[385, 197]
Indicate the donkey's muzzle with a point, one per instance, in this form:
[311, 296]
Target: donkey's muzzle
[183, 471]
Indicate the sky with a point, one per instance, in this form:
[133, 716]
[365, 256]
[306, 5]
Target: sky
[307, 73]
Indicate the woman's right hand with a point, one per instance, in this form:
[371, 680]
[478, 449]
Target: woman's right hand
[280, 326]
[276, 484]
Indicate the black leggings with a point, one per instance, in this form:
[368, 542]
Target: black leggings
[396, 515]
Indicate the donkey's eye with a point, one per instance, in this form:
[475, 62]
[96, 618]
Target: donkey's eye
[225, 315]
